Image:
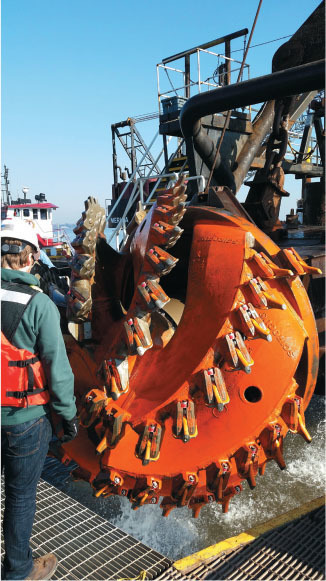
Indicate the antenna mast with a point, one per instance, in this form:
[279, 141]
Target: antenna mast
[6, 195]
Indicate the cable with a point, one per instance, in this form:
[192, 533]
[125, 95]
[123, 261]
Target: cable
[168, 76]
[262, 43]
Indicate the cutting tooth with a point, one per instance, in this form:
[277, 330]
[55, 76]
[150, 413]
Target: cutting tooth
[259, 262]
[258, 296]
[196, 503]
[165, 234]
[147, 495]
[105, 442]
[218, 481]
[293, 415]
[162, 261]
[171, 200]
[274, 302]
[79, 300]
[238, 351]
[115, 375]
[83, 266]
[167, 505]
[267, 268]
[242, 353]
[247, 460]
[215, 387]
[272, 442]
[245, 320]
[138, 335]
[169, 214]
[230, 341]
[259, 323]
[150, 442]
[185, 425]
[93, 404]
[152, 294]
[300, 267]
[229, 493]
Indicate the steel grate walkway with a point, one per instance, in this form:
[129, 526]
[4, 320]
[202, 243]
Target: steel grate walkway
[88, 546]
[295, 550]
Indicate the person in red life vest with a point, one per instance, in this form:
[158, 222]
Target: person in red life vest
[36, 376]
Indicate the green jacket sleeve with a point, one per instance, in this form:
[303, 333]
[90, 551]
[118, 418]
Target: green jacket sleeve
[45, 319]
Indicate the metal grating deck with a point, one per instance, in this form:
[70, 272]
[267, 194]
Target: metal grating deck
[87, 545]
[295, 550]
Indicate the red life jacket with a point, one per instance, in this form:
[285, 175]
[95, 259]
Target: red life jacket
[23, 381]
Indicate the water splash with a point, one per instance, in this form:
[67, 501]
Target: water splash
[277, 492]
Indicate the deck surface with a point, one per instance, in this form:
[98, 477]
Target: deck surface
[90, 547]
[87, 545]
[295, 550]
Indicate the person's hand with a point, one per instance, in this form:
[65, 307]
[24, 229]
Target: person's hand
[70, 429]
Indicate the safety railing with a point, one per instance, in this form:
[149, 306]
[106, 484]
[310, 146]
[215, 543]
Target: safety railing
[119, 233]
[208, 83]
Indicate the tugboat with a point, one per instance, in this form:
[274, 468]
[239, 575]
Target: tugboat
[39, 214]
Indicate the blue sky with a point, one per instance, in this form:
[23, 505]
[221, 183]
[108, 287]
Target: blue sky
[70, 68]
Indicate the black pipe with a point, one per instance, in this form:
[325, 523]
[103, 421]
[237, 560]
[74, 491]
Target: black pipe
[281, 84]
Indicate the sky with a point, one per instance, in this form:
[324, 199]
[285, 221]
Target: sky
[71, 68]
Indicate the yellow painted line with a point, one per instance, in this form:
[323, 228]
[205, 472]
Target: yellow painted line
[196, 559]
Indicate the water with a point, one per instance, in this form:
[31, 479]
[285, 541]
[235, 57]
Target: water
[180, 534]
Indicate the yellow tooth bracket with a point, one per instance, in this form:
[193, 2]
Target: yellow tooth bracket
[238, 351]
[185, 425]
[113, 423]
[293, 415]
[165, 234]
[290, 256]
[115, 375]
[215, 388]
[259, 324]
[266, 267]
[150, 443]
[272, 300]
[161, 261]
[93, 404]
[153, 295]
[138, 335]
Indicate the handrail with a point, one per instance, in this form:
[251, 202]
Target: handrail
[133, 174]
[121, 226]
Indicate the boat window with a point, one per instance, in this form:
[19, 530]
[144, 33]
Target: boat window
[44, 214]
[16, 213]
[35, 214]
[25, 212]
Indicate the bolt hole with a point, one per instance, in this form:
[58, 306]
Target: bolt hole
[253, 394]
